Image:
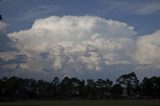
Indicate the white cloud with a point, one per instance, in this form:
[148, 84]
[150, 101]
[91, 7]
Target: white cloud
[148, 49]
[74, 43]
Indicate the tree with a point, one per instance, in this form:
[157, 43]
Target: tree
[116, 91]
[75, 86]
[103, 88]
[0, 17]
[129, 82]
[151, 87]
[56, 88]
[15, 88]
[66, 86]
[82, 89]
[91, 89]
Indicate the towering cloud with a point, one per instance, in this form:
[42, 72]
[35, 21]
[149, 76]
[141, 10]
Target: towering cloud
[72, 45]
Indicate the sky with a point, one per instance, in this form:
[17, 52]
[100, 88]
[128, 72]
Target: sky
[42, 39]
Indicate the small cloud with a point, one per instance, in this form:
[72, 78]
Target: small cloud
[148, 8]
[3, 25]
[10, 66]
[6, 56]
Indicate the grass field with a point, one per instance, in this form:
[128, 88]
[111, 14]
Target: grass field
[85, 103]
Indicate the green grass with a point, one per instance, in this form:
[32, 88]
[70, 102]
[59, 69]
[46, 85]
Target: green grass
[85, 103]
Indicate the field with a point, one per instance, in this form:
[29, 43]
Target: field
[85, 103]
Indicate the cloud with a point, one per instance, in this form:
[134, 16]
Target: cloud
[8, 55]
[72, 43]
[10, 66]
[83, 46]
[148, 49]
[3, 25]
[132, 7]
[148, 8]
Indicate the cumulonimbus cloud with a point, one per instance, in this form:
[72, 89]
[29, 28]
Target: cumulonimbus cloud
[77, 44]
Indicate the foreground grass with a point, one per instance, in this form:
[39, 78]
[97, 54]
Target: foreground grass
[85, 103]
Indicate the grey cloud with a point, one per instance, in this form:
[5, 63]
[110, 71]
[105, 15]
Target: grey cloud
[3, 25]
[133, 7]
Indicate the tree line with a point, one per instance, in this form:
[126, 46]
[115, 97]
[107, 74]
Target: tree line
[127, 86]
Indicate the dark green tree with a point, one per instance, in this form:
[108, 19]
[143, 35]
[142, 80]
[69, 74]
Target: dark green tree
[66, 87]
[103, 88]
[151, 87]
[116, 91]
[0, 17]
[129, 82]
[91, 89]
